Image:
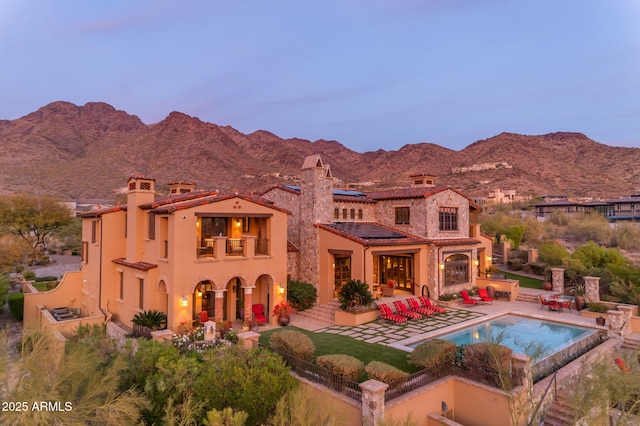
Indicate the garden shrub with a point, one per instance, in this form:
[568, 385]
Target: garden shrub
[597, 307]
[432, 352]
[384, 372]
[489, 360]
[4, 290]
[16, 305]
[153, 319]
[355, 296]
[29, 275]
[302, 295]
[44, 279]
[515, 264]
[293, 342]
[343, 365]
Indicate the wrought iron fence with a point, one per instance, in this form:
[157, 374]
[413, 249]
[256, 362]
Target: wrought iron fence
[407, 384]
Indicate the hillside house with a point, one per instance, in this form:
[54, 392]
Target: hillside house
[424, 237]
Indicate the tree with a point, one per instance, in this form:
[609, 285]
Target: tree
[13, 251]
[33, 219]
[515, 234]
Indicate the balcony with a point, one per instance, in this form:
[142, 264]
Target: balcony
[223, 247]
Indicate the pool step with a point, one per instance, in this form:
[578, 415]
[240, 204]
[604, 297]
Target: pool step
[561, 413]
[527, 297]
[324, 313]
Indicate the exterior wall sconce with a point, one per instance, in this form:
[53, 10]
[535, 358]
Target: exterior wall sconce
[476, 262]
[185, 301]
[281, 289]
[442, 266]
[199, 293]
[488, 258]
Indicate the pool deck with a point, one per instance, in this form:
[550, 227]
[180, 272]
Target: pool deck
[396, 335]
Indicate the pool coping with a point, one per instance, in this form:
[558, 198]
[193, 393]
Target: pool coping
[402, 344]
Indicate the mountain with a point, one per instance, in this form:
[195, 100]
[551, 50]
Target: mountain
[78, 152]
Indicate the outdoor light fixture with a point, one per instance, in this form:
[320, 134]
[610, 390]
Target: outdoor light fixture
[442, 266]
[488, 258]
[281, 289]
[199, 293]
[476, 262]
[445, 408]
[185, 302]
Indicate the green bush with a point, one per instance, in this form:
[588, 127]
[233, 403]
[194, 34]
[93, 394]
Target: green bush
[29, 275]
[515, 264]
[343, 365]
[597, 307]
[488, 359]
[293, 342]
[384, 372]
[301, 295]
[354, 296]
[16, 305]
[44, 279]
[432, 352]
[4, 290]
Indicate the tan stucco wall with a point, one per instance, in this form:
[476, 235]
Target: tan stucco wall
[66, 294]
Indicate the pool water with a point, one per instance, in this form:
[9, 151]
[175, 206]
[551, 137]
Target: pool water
[526, 335]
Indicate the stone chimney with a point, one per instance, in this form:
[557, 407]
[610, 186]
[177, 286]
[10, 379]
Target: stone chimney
[316, 206]
[423, 180]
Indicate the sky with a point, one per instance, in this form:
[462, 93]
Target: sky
[371, 74]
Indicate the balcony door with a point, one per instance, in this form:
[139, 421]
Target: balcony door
[399, 269]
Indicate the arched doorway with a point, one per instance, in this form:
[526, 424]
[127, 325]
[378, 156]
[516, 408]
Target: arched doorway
[262, 292]
[162, 297]
[234, 300]
[204, 299]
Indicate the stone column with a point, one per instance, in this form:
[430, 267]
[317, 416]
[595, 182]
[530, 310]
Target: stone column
[557, 279]
[616, 322]
[373, 402]
[248, 303]
[219, 304]
[532, 255]
[521, 367]
[506, 250]
[592, 289]
[627, 312]
[249, 339]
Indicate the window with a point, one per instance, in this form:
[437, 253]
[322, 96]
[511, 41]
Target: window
[85, 252]
[352, 213]
[344, 213]
[214, 226]
[342, 272]
[141, 293]
[94, 231]
[152, 226]
[245, 224]
[360, 214]
[336, 213]
[456, 269]
[402, 215]
[145, 186]
[448, 218]
[121, 278]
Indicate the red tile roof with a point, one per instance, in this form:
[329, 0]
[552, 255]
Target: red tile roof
[182, 205]
[376, 234]
[100, 212]
[454, 242]
[142, 266]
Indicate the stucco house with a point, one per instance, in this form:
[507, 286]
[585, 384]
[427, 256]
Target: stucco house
[424, 237]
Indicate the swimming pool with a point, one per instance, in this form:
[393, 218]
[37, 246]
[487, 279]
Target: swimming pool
[526, 335]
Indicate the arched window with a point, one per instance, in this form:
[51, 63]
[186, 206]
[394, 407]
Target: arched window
[456, 269]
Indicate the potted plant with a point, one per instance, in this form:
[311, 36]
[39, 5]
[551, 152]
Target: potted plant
[579, 293]
[282, 311]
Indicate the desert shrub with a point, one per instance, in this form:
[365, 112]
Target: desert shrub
[449, 296]
[44, 279]
[537, 268]
[489, 360]
[16, 305]
[355, 295]
[432, 352]
[384, 372]
[552, 254]
[515, 264]
[29, 275]
[343, 365]
[301, 295]
[293, 342]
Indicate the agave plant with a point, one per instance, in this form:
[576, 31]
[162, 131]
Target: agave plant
[155, 320]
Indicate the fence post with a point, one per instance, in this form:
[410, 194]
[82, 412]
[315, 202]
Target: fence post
[372, 402]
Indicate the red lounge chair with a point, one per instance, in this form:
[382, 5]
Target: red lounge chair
[466, 299]
[385, 313]
[426, 303]
[258, 313]
[203, 317]
[414, 305]
[401, 309]
[484, 296]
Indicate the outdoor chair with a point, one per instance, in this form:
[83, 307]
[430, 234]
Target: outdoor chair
[385, 313]
[203, 317]
[565, 303]
[484, 296]
[467, 300]
[401, 309]
[543, 302]
[258, 313]
[386, 290]
[426, 303]
[414, 305]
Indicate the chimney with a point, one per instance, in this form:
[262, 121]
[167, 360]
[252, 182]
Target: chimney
[423, 180]
[140, 190]
[181, 187]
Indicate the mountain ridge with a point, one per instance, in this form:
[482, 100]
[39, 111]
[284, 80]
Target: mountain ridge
[77, 152]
